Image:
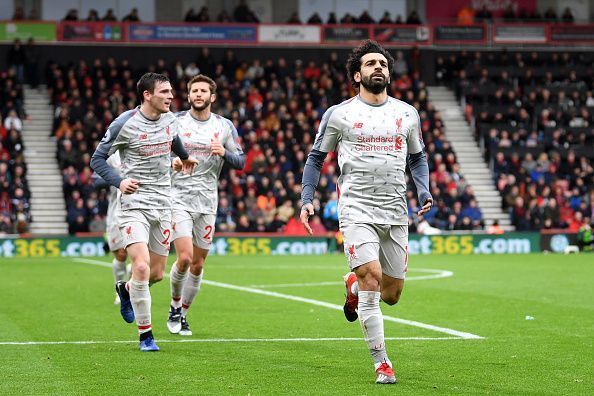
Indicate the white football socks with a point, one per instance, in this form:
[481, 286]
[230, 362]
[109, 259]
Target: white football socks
[140, 297]
[119, 270]
[191, 289]
[372, 323]
[176, 282]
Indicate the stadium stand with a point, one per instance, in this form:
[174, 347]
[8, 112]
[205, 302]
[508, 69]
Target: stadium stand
[534, 123]
[276, 107]
[15, 214]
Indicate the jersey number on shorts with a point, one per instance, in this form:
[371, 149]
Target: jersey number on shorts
[167, 234]
[208, 229]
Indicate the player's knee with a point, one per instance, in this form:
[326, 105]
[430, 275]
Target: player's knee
[141, 270]
[184, 259]
[120, 255]
[369, 281]
[391, 298]
[156, 277]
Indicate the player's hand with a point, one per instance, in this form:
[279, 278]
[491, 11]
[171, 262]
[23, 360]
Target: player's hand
[216, 147]
[189, 165]
[177, 164]
[307, 210]
[129, 186]
[426, 207]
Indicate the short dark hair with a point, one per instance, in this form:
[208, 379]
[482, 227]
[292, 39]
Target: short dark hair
[353, 64]
[205, 79]
[147, 83]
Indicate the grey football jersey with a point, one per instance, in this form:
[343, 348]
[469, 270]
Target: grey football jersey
[198, 192]
[113, 199]
[145, 147]
[372, 142]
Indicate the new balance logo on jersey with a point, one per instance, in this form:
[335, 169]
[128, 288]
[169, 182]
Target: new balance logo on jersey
[358, 125]
[143, 136]
[187, 134]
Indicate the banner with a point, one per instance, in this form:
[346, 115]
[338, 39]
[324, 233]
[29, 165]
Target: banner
[39, 31]
[189, 33]
[289, 34]
[572, 33]
[460, 33]
[336, 34]
[273, 245]
[92, 31]
[52, 247]
[440, 10]
[474, 243]
[520, 34]
[557, 240]
[401, 34]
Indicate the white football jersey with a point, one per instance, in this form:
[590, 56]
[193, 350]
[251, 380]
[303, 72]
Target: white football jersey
[198, 192]
[372, 142]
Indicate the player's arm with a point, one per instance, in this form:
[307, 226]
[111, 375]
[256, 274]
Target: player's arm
[419, 169]
[326, 141]
[111, 142]
[188, 162]
[232, 152]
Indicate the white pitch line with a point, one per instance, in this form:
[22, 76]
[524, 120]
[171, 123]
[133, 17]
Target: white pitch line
[222, 340]
[437, 274]
[452, 332]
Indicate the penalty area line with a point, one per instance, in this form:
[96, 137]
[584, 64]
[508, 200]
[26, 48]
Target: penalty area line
[445, 330]
[220, 340]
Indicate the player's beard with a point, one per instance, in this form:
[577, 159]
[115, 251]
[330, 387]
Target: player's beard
[373, 86]
[204, 105]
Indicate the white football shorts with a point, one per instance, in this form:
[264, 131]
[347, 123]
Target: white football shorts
[387, 243]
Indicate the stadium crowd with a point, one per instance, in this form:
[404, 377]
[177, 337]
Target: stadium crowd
[534, 121]
[276, 107]
[14, 189]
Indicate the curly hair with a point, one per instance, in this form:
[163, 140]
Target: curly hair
[353, 64]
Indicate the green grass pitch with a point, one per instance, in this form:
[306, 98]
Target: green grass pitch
[255, 333]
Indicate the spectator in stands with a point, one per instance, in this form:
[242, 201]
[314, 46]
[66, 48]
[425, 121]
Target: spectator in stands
[315, 19]
[567, 16]
[243, 14]
[413, 18]
[132, 16]
[109, 16]
[332, 19]
[294, 19]
[71, 15]
[93, 16]
[12, 121]
[33, 15]
[484, 14]
[32, 63]
[203, 15]
[466, 15]
[17, 58]
[386, 19]
[550, 15]
[224, 17]
[509, 14]
[18, 14]
[348, 19]
[191, 16]
[365, 18]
